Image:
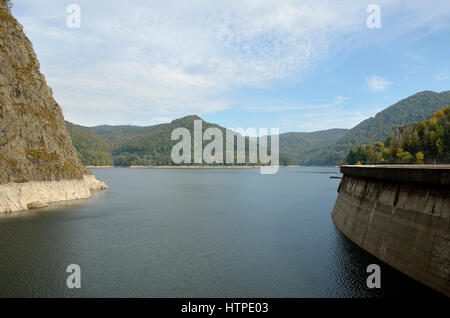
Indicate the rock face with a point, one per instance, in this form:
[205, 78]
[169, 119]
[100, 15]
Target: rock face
[36, 205]
[34, 143]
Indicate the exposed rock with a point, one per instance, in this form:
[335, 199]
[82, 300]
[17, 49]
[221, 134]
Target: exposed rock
[18, 196]
[36, 205]
[34, 143]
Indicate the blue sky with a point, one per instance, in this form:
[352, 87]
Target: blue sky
[292, 65]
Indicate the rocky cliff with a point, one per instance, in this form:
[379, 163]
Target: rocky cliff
[35, 146]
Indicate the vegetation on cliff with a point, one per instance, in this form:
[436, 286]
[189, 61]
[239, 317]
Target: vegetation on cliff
[423, 142]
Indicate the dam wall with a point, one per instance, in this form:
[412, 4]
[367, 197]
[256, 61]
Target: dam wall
[401, 215]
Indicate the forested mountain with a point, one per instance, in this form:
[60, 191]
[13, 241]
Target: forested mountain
[423, 142]
[91, 148]
[133, 145]
[415, 108]
[295, 146]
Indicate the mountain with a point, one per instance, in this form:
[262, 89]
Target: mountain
[133, 145]
[423, 142]
[415, 108]
[296, 145]
[92, 149]
[38, 163]
[34, 142]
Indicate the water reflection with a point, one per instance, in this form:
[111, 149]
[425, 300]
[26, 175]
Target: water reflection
[193, 233]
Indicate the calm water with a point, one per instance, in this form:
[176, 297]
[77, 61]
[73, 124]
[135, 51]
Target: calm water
[193, 233]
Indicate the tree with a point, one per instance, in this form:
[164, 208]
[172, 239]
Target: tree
[428, 139]
[419, 157]
[405, 157]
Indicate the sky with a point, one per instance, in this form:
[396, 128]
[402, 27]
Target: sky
[288, 64]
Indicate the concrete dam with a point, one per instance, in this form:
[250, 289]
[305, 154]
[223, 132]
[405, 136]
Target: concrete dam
[401, 215]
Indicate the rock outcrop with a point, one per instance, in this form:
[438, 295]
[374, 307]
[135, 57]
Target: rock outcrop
[36, 151]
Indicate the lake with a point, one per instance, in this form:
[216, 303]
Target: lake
[193, 233]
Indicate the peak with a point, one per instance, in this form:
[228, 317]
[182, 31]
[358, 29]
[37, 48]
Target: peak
[191, 117]
[187, 118]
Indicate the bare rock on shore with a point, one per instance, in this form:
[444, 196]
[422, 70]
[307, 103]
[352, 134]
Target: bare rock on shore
[36, 205]
[19, 196]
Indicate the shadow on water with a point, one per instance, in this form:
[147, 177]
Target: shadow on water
[352, 262]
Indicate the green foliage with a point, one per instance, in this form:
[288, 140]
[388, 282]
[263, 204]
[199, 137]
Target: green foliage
[415, 108]
[41, 155]
[92, 149]
[132, 145]
[424, 142]
[303, 148]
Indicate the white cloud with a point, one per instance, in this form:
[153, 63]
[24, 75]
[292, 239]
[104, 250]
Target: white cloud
[377, 83]
[284, 106]
[321, 120]
[341, 99]
[441, 77]
[148, 60]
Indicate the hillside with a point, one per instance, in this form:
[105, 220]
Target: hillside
[133, 145]
[92, 149]
[296, 145]
[423, 142]
[415, 108]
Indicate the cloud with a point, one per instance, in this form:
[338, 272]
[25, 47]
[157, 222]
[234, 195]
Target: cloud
[164, 59]
[341, 99]
[441, 77]
[313, 121]
[377, 83]
[286, 106]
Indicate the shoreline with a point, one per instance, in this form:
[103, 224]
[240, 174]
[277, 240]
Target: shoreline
[187, 167]
[37, 194]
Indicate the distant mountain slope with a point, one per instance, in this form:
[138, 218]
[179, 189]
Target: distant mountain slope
[423, 142]
[133, 145]
[91, 148]
[415, 108]
[295, 145]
